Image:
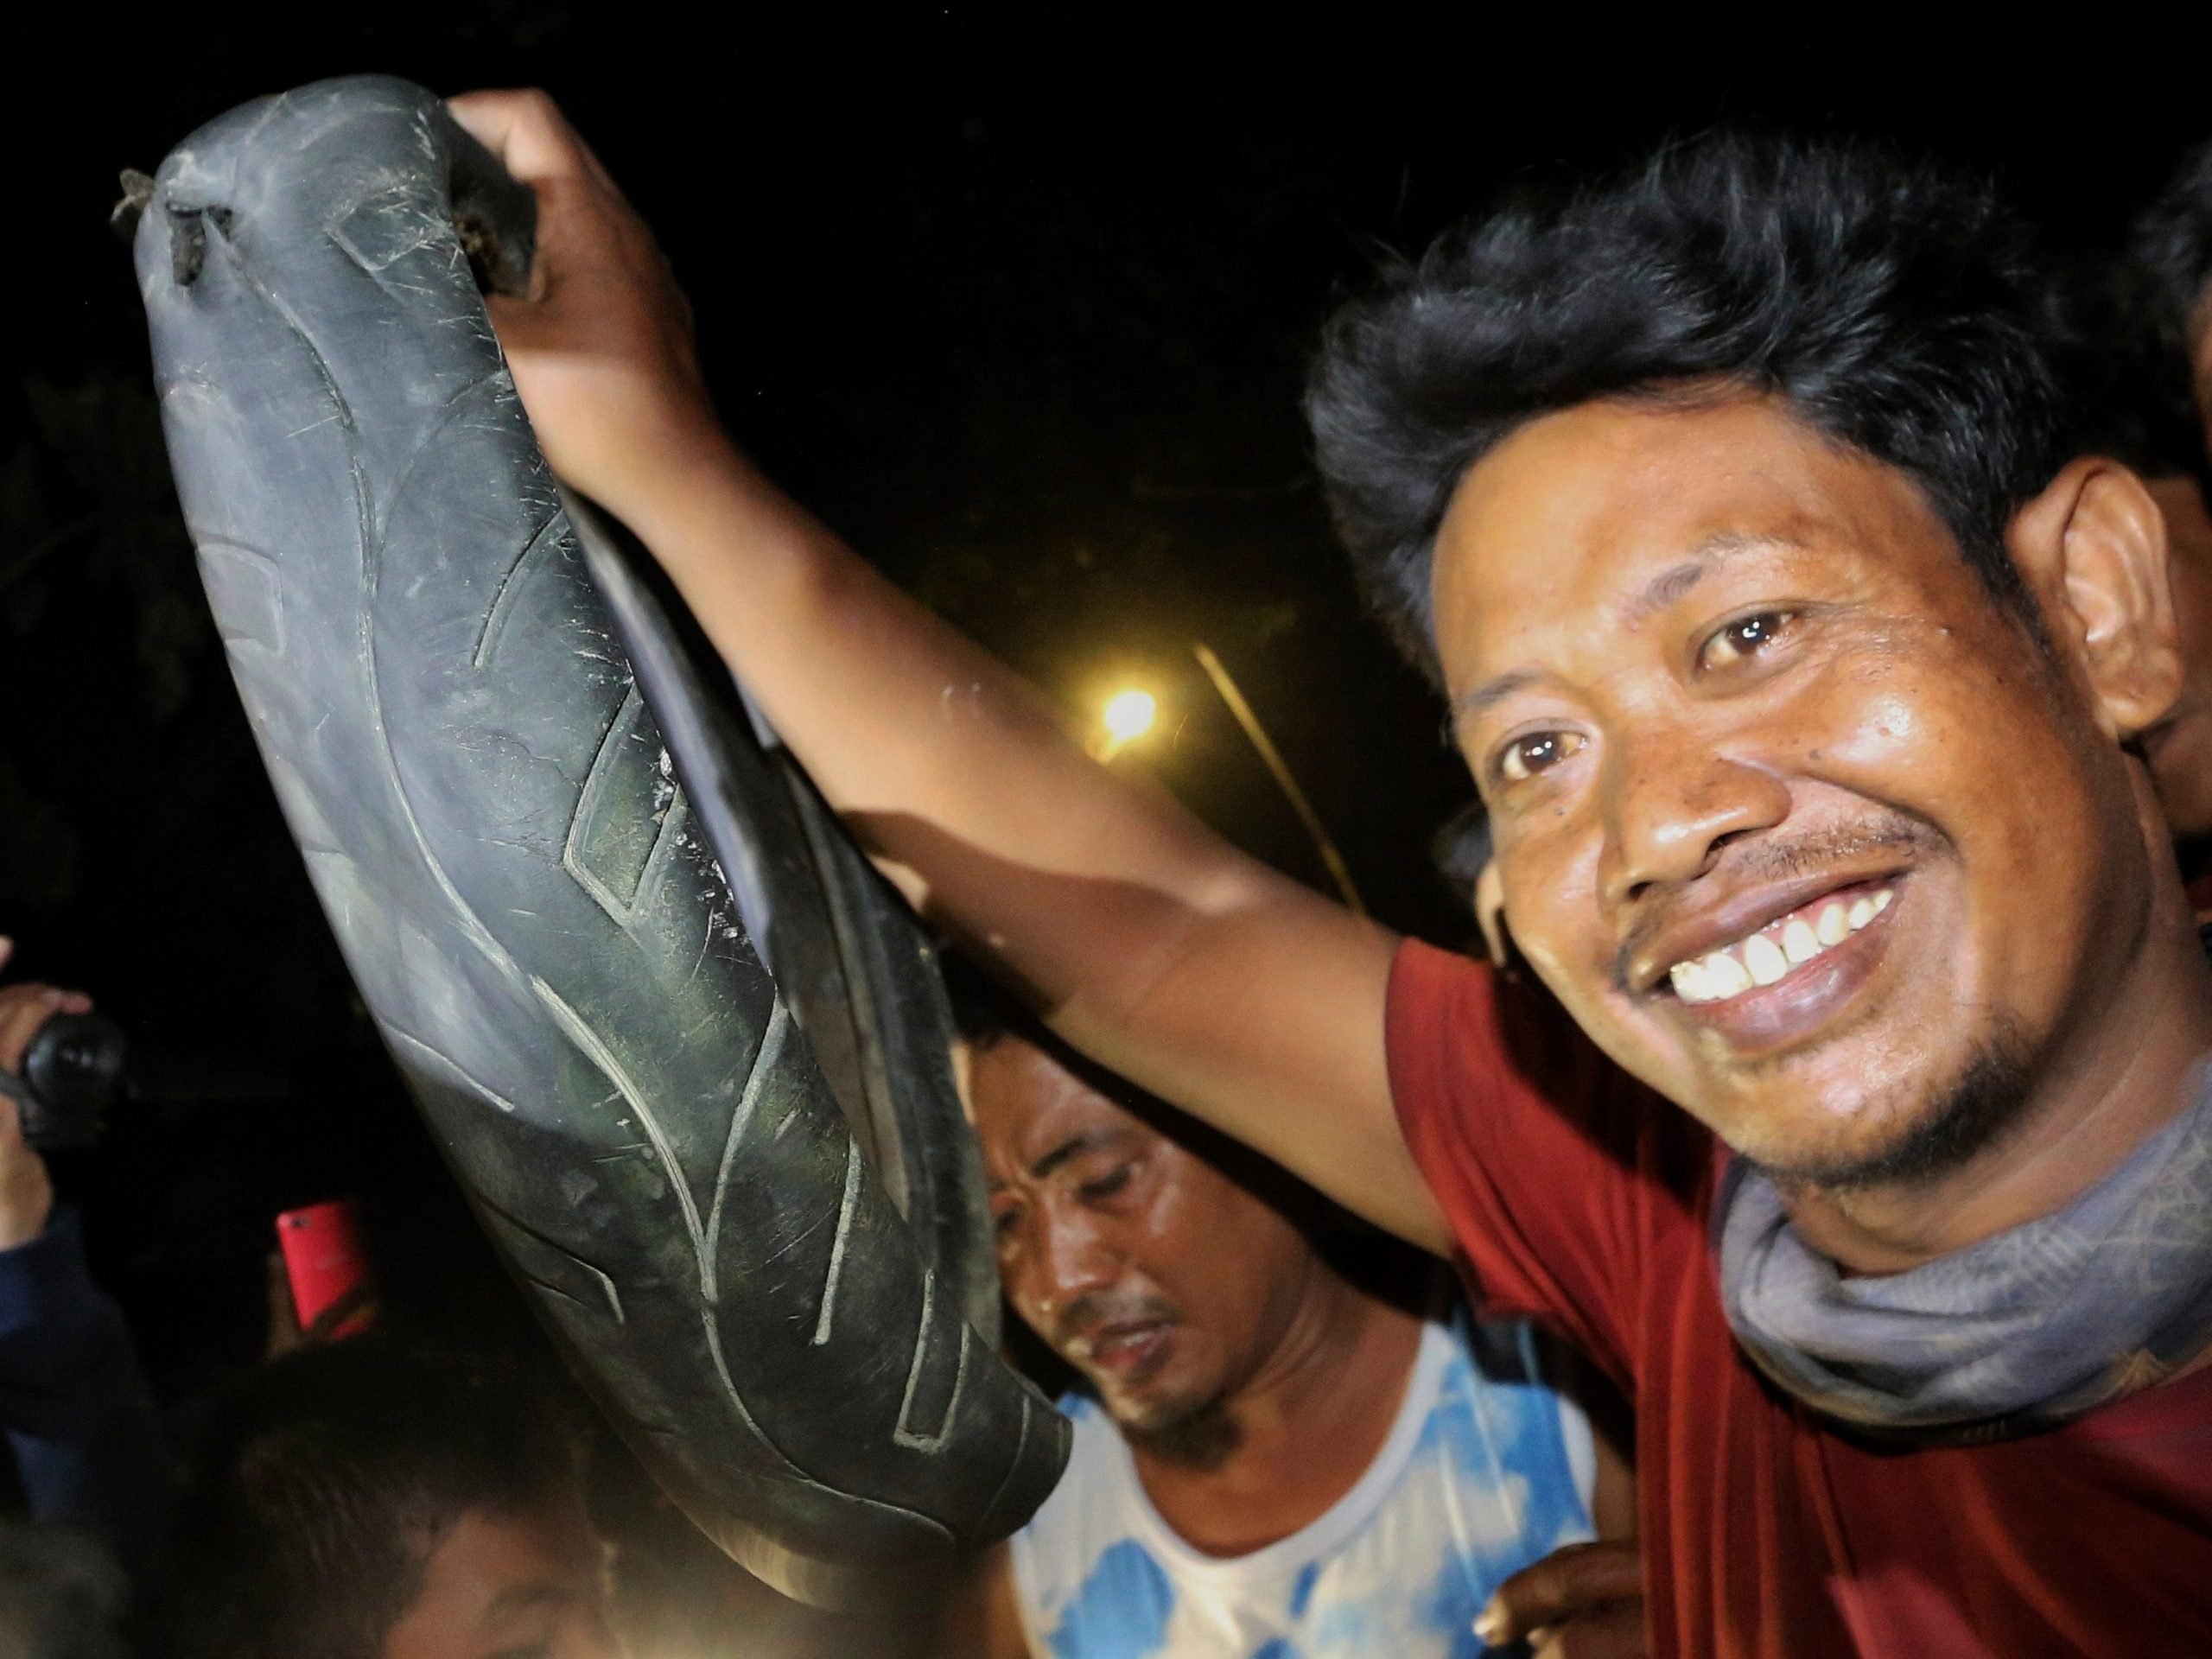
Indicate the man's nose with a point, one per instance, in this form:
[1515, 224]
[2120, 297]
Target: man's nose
[1072, 1260]
[1674, 797]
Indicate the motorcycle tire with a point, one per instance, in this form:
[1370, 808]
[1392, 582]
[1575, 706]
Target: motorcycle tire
[745, 1205]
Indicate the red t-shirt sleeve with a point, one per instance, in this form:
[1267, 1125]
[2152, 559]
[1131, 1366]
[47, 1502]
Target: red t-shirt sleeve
[1557, 1172]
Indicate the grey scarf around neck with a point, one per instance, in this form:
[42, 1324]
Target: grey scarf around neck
[2024, 1331]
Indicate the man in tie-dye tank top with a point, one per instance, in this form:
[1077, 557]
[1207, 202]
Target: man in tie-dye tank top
[1275, 1454]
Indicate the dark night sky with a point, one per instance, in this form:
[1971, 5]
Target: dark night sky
[1023, 311]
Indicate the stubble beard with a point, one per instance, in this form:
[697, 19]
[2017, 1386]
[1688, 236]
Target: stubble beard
[1982, 1104]
[1199, 1438]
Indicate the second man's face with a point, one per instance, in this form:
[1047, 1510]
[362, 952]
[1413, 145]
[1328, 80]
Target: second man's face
[1147, 1269]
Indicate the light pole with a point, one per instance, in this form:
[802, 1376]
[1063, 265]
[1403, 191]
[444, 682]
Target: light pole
[1338, 871]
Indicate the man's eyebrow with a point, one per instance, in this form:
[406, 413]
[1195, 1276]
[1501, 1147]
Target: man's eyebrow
[1492, 691]
[1677, 579]
[1074, 1147]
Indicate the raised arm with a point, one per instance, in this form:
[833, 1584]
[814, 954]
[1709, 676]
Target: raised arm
[1150, 942]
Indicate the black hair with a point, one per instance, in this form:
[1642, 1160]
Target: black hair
[1898, 308]
[323, 1482]
[1460, 848]
[984, 1012]
[2130, 372]
[2172, 250]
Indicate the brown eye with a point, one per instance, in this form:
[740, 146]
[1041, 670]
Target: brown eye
[1744, 638]
[1524, 757]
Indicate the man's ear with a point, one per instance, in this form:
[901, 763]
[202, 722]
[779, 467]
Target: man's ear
[2093, 546]
[1490, 914]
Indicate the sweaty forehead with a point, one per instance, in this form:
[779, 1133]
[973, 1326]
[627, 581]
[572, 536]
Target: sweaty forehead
[1583, 522]
[1028, 1105]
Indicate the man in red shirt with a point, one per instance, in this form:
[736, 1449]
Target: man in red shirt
[1804, 669]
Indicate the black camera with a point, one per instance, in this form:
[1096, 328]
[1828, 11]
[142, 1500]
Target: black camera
[73, 1071]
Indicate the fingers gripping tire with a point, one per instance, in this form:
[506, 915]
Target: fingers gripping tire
[530, 900]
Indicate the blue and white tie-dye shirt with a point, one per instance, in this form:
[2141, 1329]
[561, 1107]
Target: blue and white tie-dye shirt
[1485, 1470]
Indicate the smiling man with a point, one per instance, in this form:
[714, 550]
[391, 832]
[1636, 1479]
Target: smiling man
[1747, 816]
[1806, 673]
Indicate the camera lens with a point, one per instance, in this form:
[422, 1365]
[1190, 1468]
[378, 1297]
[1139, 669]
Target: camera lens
[75, 1062]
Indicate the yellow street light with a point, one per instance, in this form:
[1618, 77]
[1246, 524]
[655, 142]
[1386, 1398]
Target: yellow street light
[1128, 716]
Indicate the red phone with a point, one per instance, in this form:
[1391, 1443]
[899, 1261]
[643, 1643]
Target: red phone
[327, 1259]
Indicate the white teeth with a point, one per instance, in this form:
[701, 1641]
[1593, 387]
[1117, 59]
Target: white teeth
[1726, 976]
[1799, 942]
[1763, 959]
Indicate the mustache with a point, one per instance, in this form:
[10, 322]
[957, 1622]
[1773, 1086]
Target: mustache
[1770, 858]
[1077, 1325]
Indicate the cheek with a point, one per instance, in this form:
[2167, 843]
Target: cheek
[1214, 1250]
[1180, 1245]
[1547, 871]
[1016, 1280]
[2016, 794]
[1979, 756]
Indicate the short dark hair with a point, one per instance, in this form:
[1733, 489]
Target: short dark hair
[2173, 246]
[323, 1482]
[2130, 372]
[984, 1012]
[1897, 308]
[1460, 849]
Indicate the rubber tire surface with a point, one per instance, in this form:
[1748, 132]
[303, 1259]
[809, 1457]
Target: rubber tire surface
[842, 945]
[493, 827]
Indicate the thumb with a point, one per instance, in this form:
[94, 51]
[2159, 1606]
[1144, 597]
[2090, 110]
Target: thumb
[1567, 1581]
